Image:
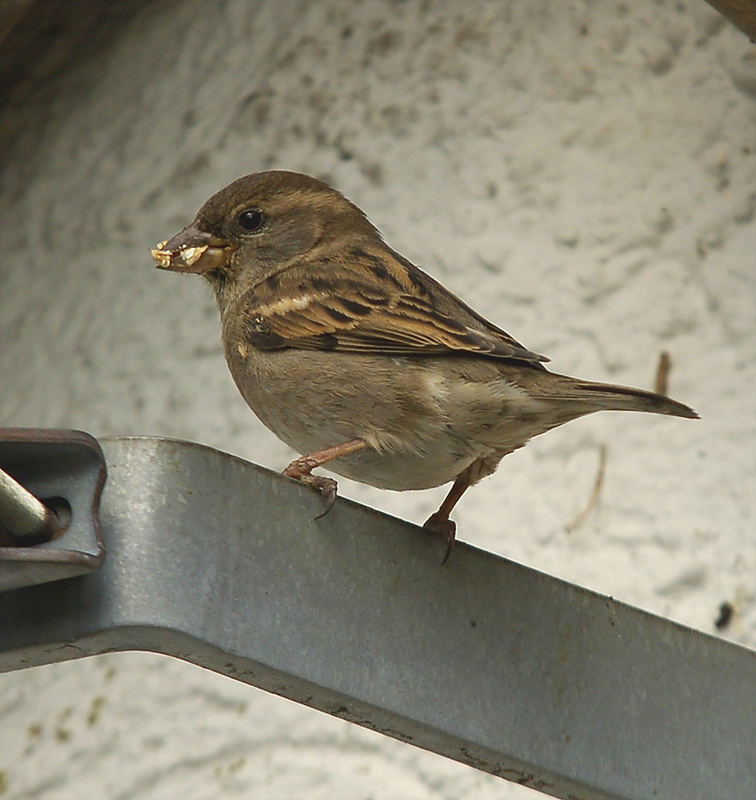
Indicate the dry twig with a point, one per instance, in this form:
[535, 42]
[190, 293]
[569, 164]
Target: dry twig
[595, 493]
[662, 373]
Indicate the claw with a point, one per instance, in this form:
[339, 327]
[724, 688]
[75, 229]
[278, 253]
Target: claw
[328, 488]
[439, 524]
[300, 471]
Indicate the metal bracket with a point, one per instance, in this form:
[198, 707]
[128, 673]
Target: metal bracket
[66, 470]
[219, 562]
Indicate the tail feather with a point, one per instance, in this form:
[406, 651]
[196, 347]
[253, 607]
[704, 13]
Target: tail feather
[625, 398]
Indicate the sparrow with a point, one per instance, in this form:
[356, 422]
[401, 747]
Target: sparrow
[358, 359]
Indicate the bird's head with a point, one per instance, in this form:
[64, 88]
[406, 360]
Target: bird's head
[260, 224]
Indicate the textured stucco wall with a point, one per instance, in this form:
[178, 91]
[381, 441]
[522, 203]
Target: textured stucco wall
[581, 172]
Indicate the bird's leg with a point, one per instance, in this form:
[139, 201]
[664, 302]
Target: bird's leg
[301, 469]
[439, 521]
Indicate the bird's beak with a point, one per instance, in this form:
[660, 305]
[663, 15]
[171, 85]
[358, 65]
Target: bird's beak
[191, 250]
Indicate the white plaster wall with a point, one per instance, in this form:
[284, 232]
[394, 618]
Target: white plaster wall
[583, 173]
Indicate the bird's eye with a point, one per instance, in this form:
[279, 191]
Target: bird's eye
[251, 220]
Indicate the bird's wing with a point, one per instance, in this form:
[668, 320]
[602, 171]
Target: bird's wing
[371, 306]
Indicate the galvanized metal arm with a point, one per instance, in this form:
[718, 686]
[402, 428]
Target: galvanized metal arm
[219, 562]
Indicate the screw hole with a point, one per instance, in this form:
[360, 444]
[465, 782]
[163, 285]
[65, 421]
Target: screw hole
[61, 509]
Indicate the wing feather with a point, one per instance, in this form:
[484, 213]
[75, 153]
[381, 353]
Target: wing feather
[337, 306]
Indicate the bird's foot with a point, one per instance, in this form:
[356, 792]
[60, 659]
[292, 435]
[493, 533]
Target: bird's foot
[441, 524]
[301, 470]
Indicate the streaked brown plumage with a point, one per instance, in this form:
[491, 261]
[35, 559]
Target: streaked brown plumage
[351, 354]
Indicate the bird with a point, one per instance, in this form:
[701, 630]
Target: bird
[358, 359]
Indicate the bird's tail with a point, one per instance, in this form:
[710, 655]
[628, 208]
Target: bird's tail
[610, 397]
